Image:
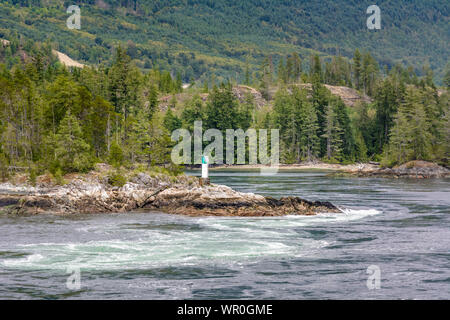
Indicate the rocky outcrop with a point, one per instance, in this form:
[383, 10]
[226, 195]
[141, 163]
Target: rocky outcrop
[241, 92]
[184, 197]
[412, 169]
[349, 96]
[218, 200]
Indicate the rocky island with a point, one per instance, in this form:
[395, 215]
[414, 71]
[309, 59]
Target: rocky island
[93, 193]
[417, 169]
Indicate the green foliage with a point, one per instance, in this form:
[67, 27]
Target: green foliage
[58, 176]
[152, 139]
[333, 135]
[116, 179]
[68, 119]
[447, 78]
[417, 133]
[316, 68]
[120, 87]
[315, 127]
[207, 36]
[64, 120]
[309, 140]
[194, 110]
[388, 97]
[152, 101]
[171, 122]
[4, 172]
[222, 109]
[72, 151]
[175, 170]
[116, 156]
[361, 148]
[357, 69]
[338, 72]
[32, 175]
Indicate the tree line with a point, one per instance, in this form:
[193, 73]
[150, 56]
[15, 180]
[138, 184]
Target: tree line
[65, 120]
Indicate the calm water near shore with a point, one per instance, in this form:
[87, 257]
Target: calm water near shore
[401, 226]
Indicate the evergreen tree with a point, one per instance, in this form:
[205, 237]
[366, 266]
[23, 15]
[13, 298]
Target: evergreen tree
[446, 80]
[152, 101]
[247, 73]
[266, 77]
[287, 123]
[179, 83]
[365, 130]
[361, 147]
[205, 87]
[347, 133]
[309, 140]
[420, 134]
[221, 109]
[116, 157]
[446, 130]
[171, 122]
[194, 111]
[320, 100]
[289, 69]
[72, 152]
[98, 126]
[119, 82]
[316, 68]
[410, 137]
[333, 134]
[387, 98]
[157, 142]
[357, 69]
[297, 66]
[282, 72]
[245, 113]
[61, 98]
[369, 73]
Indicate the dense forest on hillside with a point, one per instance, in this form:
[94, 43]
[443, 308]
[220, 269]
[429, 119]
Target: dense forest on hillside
[199, 38]
[65, 120]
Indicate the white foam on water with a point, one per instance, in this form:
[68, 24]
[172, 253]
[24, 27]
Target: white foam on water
[30, 260]
[255, 224]
[218, 240]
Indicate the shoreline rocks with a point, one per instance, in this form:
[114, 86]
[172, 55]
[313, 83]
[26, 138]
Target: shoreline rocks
[414, 169]
[90, 194]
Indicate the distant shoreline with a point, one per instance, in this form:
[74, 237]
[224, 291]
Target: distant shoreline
[356, 167]
[413, 169]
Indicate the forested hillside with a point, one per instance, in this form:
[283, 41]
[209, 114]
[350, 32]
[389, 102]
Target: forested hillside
[198, 38]
[59, 120]
[136, 53]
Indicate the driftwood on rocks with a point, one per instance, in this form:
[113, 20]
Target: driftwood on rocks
[149, 199]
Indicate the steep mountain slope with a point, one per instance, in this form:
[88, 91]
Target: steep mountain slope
[197, 37]
[63, 58]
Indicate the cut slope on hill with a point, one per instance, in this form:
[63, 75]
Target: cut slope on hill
[63, 58]
[67, 61]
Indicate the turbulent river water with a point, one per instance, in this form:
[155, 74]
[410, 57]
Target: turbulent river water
[399, 227]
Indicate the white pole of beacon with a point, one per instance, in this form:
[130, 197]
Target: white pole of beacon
[205, 161]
